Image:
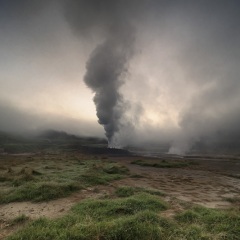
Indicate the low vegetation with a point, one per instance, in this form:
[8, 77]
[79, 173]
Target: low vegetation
[103, 173]
[161, 164]
[203, 223]
[135, 217]
[38, 192]
[19, 219]
[46, 177]
[233, 200]
[126, 191]
[124, 218]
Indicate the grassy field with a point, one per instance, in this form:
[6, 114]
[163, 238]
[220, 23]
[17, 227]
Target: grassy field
[137, 215]
[45, 177]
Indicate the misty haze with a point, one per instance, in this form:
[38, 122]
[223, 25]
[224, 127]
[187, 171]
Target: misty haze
[119, 119]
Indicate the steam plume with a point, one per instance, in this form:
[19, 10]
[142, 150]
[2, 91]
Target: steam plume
[108, 62]
[105, 74]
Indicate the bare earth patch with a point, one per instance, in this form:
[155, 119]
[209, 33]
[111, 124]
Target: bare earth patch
[197, 183]
[50, 209]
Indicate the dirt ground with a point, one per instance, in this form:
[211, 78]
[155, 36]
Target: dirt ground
[210, 181]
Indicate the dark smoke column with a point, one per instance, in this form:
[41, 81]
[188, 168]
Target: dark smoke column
[108, 62]
[105, 75]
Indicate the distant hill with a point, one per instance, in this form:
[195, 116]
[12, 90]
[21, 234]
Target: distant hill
[53, 134]
[61, 135]
[48, 139]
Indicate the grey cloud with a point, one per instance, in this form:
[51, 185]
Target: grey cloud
[18, 12]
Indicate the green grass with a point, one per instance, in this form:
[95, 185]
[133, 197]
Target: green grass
[101, 209]
[216, 224]
[38, 192]
[126, 191]
[136, 217]
[132, 218]
[103, 174]
[48, 177]
[161, 164]
[97, 178]
[113, 168]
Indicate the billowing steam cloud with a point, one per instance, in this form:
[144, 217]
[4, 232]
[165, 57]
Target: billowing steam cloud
[105, 73]
[199, 46]
[109, 61]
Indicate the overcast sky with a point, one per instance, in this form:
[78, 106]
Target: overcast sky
[181, 74]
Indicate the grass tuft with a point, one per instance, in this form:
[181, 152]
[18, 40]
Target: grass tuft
[125, 206]
[115, 169]
[20, 219]
[38, 192]
[103, 174]
[219, 223]
[126, 191]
